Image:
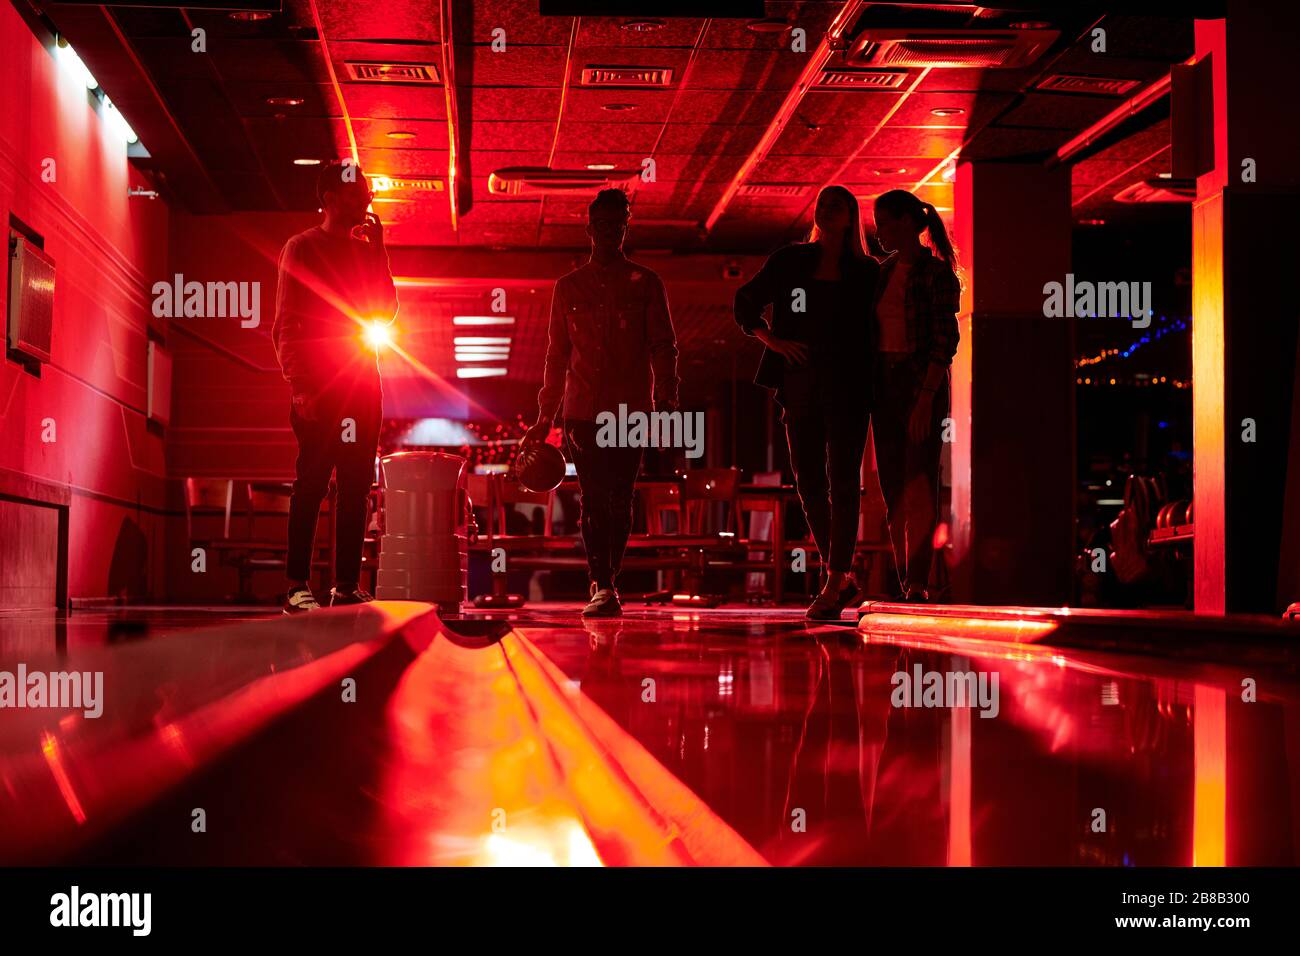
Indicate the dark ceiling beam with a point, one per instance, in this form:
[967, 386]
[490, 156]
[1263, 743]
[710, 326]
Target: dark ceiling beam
[1043, 72]
[252, 146]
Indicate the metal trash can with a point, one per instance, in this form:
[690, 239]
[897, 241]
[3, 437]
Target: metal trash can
[424, 551]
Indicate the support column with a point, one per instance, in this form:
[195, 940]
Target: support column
[1245, 315]
[1013, 454]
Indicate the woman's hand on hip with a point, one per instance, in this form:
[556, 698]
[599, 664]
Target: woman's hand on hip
[796, 353]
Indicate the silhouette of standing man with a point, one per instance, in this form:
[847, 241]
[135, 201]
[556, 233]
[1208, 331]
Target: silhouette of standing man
[611, 342]
[334, 280]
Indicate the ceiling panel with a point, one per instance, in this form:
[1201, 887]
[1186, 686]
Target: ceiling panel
[390, 20]
[914, 141]
[702, 130]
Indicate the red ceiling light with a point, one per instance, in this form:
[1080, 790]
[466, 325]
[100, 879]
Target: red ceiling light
[285, 100]
[249, 16]
[947, 111]
[643, 26]
[400, 134]
[619, 107]
[767, 25]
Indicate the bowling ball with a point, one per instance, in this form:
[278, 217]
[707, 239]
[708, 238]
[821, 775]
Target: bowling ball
[539, 467]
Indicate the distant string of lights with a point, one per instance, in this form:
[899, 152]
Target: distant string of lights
[1177, 325]
[1132, 381]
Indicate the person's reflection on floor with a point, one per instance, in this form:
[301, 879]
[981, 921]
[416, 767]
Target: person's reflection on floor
[837, 756]
[603, 679]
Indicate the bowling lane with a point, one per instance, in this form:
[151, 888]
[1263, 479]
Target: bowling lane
[356, 736]
[807, 743]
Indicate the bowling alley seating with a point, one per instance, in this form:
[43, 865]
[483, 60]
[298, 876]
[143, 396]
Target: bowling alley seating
[764, 539]
[504, 493]
[708, 492]
[229, 518]
[658, 500]
[713, 515]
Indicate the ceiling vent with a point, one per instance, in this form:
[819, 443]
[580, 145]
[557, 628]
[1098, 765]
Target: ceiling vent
[368, 72]
[389, 184]
[638, 76]
[790, 190]
[949, 49]
[1158, 190]
[1092, 85]
[862, 79]
[542, 181]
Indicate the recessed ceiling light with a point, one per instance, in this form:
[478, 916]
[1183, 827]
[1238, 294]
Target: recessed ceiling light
[1031, 25]
[889, 171]
[619, 107]
[306, 162]
[643, 26]
[285, 100]
[483, 320]
[600, 165]
[481, 340]
[767, 25]
[400, 134]
[947, 111]
[480, 372]
[249, 16]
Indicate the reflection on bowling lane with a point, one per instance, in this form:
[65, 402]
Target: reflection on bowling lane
[373, 735]
[164, 711]
[886, 750]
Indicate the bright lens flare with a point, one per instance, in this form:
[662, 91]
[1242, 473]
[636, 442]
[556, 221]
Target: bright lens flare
[378, 335]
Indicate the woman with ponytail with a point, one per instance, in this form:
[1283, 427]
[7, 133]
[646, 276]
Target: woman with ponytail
[916, 316]
[817, 362]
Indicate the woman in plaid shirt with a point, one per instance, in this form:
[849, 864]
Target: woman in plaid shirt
[916, 314]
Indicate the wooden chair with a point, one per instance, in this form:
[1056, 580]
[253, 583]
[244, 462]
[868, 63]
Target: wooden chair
[764, 536]
[659, 499]
[238, 540]
[510, 492]
[704, 490]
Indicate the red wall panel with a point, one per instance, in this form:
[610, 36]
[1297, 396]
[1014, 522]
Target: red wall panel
[103, 244]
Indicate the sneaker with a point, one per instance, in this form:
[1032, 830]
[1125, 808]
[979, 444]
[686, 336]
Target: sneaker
[604, 603]
[350, 596]
[300, 601]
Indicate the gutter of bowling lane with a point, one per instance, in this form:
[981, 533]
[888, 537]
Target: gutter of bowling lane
[499, 763]
[1191, 637]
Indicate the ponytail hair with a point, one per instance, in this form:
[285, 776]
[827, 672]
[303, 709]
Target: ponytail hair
[902, 204]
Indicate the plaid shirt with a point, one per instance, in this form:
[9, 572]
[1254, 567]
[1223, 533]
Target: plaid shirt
[611, 342]
[931, 301]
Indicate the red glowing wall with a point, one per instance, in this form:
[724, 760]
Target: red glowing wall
[64, 174]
